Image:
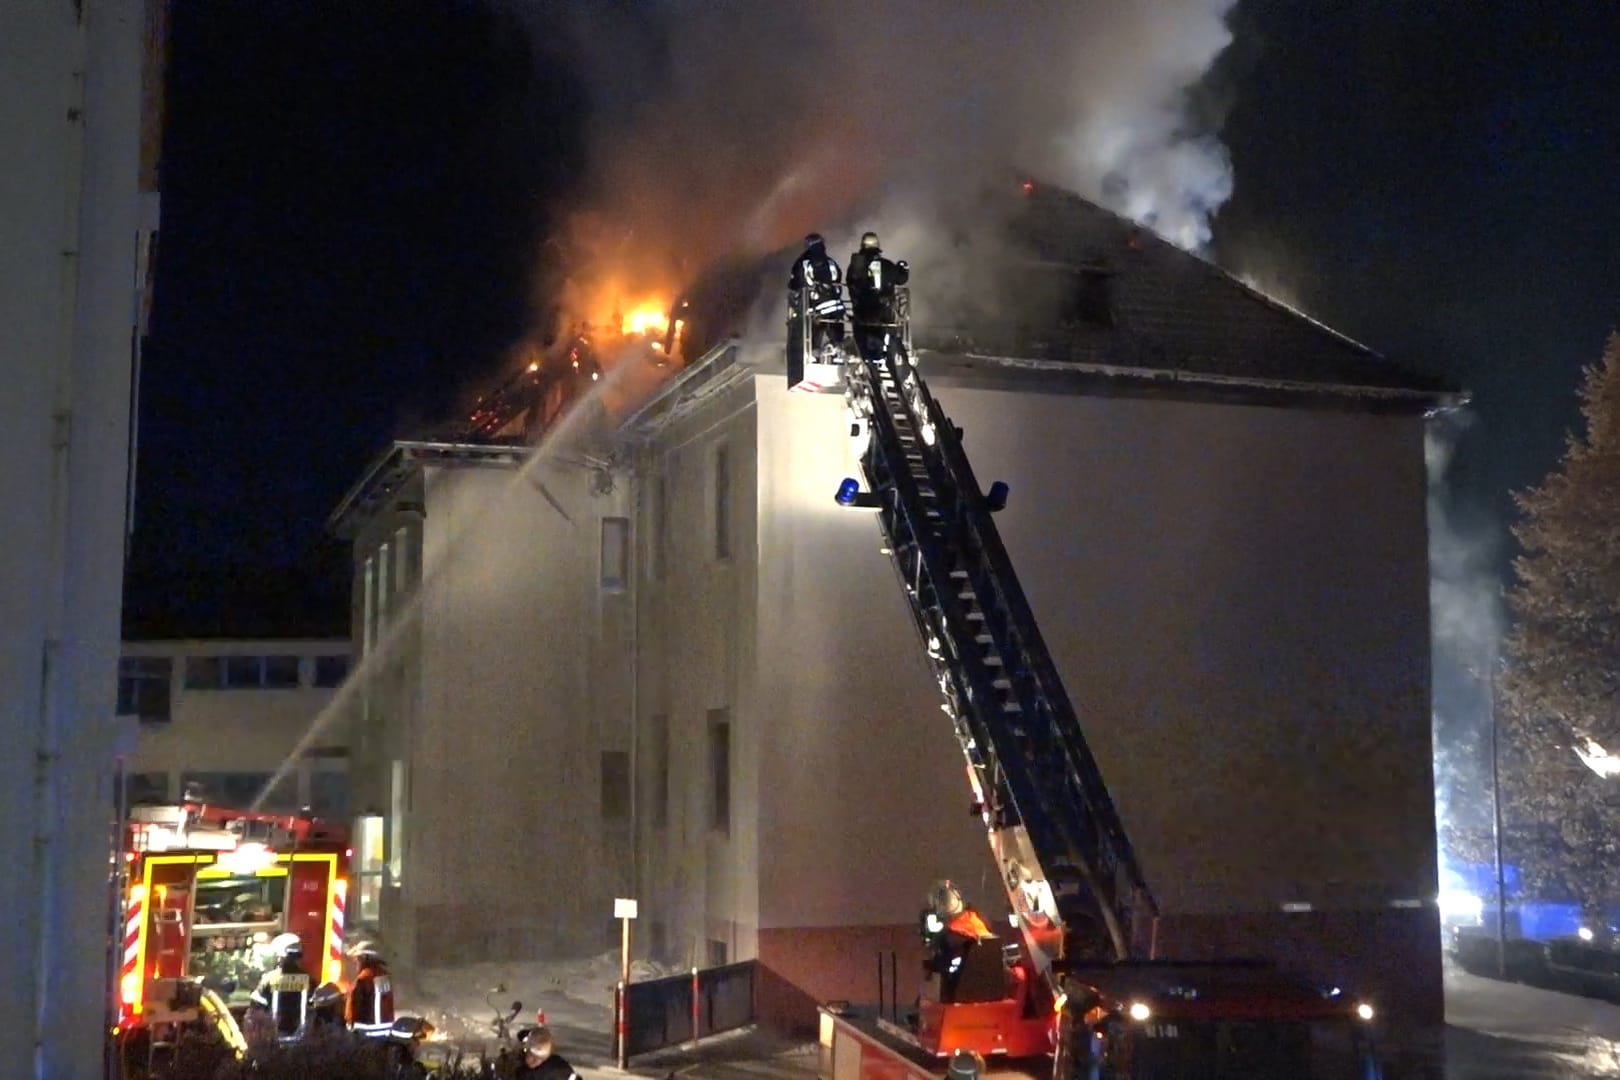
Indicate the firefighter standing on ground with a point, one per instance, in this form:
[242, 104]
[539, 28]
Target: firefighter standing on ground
[369, 1009]
[540, 1059]
[872, 281]
[817, 281]
[284, 991]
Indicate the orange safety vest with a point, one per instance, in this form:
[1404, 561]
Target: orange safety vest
[968, 924]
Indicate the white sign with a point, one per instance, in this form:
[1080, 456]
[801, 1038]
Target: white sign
[624, 909]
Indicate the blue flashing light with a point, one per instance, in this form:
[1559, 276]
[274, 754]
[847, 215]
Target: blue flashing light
[997, 496]
[848, 491]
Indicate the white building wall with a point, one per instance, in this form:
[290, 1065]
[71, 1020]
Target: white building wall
[70, 84]
[245, 731]
[1236, 598]
[523, 683]
[696, 657]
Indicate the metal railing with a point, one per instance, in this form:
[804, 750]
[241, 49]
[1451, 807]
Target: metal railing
[660, 1013]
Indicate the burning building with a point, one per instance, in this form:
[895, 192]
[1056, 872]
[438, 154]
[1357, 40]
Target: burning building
[669, 666]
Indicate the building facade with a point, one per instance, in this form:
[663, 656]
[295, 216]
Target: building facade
[224, 716]
[78, 212]
[1219, 514]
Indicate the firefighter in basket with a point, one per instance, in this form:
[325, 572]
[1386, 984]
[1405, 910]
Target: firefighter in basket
[950, 927]
[873, 279]
[818, 281]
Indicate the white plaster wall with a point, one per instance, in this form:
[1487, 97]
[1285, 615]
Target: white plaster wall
[520, 693]
[1237, 600]
[696, 653]
[235, 730]
[70, 83]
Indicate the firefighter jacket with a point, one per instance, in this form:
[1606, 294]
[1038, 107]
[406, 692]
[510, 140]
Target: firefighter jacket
[370, 1004]
[815, 267]
[555, 1067]
[284, 992]
[872, 281]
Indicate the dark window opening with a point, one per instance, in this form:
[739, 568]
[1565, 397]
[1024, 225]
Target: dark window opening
[143, 687]
[660, 785]
[330, 671]
[720, 770]
[722, 502]
[1090, 301]
[615, 785]
[717, 953]
[615, 554]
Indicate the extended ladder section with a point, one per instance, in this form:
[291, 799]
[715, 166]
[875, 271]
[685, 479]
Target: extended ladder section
[1067, 864]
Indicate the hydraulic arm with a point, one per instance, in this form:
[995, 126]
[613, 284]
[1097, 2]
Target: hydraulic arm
[1067, 864]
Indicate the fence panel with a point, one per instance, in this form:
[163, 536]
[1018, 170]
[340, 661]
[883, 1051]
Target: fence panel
[659, 1011]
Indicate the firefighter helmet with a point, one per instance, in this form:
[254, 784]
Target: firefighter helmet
[965, 1065]
[285, 945]
[367, 952]
[869, 242]
[814, 240]
[945, 899]
[538, 1042]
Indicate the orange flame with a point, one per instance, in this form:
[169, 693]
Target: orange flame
[648, 317]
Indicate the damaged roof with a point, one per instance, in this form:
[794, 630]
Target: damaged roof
[1087, 297]
[1125, 299]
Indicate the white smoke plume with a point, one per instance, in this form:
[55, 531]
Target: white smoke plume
[725, 127]
[1465, 604]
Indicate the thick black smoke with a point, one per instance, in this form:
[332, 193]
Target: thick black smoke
[724, 128]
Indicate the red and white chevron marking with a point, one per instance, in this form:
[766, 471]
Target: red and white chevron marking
[334, 936]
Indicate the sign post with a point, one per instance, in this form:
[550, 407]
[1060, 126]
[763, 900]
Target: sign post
[624, 910]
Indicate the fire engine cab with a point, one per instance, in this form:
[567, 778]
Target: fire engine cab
[204, 891]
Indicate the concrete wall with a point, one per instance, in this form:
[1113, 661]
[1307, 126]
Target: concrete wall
[70, 85]
[239, 730]
[696, 657]
[524, 683]
[1237, 600]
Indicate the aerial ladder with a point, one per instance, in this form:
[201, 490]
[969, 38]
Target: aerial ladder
[1085, 967]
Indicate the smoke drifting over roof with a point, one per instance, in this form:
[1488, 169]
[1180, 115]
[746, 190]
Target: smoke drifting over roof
[725, 127]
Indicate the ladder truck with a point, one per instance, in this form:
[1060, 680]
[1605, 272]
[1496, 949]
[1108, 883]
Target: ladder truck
[1083, 993]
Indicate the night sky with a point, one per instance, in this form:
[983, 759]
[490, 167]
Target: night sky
[354, 196]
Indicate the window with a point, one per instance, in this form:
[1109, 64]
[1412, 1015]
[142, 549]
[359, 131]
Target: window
[720, 770]
[615, 553]
[369, 863]
[205, 673]
[368, 606]
[396, 822]
[722, 502]
[330, 671]
[660, 783]
[147, 788]
[402, 562]
[242, 672]
[659, 556]
[717, 953]
[239, 789]
[1089, 303]
[281, 672]
[385, 588]
[329, 793]
[143, 687]
[615, 785]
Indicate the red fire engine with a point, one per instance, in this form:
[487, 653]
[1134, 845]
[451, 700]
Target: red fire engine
[206, 888]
